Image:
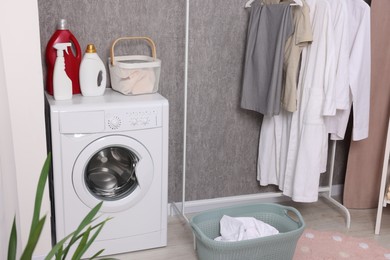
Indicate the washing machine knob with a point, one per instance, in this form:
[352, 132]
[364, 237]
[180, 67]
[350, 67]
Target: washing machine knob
[115, 122]
[134, 121]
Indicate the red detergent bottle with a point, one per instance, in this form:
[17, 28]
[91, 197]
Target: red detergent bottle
[72, 58]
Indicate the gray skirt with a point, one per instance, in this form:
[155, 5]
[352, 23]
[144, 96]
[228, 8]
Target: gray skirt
[268, 30]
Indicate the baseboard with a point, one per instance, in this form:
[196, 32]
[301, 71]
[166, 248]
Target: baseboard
[266, 197]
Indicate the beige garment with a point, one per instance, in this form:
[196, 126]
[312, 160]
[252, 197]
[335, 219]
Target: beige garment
[301, 37]
[365, 159]
[138, 81]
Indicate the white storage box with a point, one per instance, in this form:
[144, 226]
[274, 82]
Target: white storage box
[135, 74]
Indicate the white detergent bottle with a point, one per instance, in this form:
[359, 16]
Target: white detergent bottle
[62, 84]
[92, 73]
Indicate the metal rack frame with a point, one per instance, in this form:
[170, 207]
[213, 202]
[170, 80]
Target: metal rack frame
[383, 201]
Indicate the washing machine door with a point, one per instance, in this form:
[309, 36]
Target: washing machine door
[115, 169]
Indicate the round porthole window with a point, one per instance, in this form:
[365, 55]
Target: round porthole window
[115, 169]
[110, 174]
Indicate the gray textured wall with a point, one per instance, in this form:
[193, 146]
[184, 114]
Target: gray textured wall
[102, 21]
[222, 138]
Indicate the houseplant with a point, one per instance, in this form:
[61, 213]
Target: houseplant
[85, 234]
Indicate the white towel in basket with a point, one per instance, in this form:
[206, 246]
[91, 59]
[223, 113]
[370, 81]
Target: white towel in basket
[243, 228]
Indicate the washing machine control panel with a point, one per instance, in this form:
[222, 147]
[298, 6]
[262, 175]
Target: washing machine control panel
[133, 119]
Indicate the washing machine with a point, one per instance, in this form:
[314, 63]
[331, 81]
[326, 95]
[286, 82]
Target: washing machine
[112, 148]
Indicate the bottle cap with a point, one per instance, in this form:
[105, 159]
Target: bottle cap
[90, 49]
[62, 25]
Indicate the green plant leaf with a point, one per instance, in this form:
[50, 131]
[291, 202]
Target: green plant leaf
[37, 224]
[105, 258]
[58, 247]
[33, 240]
[86, 221]
[59, 253]
[90, 241]
[39, 193]
[12, 244]
[80, 249]
[96, 255]
[92, 228]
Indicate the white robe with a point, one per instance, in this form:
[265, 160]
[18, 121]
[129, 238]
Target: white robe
[293, 146]
[339, 12]
[359, 49]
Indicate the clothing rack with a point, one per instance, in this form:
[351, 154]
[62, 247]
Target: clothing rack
[325, 191]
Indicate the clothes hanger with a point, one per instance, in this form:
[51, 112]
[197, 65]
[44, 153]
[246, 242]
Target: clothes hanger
[295, 2]
[248, 3]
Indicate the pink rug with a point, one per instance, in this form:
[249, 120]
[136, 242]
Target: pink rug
[319, 245]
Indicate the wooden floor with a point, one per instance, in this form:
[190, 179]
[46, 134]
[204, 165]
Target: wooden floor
[320, 216]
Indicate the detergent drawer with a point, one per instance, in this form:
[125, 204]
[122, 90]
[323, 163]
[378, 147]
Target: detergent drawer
[81, 122]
